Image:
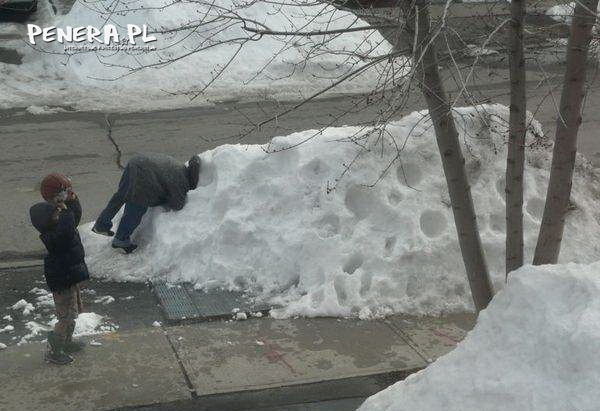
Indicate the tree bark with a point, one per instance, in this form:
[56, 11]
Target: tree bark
[419, 26]
[567, 126]
[515, 160]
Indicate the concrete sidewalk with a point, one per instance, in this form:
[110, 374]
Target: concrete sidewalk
[264, 361]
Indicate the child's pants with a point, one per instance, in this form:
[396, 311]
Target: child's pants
[68, 305]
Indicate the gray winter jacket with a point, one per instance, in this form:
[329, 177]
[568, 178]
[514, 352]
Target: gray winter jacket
[157, 179]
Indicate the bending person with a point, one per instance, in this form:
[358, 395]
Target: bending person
[149, 180]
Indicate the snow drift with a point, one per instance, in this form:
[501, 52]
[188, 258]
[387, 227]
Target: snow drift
[267, 223]
[535, 348]
[288, 67]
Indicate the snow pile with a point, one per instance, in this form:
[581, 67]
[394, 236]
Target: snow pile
[266, 223]
[27, 307]
[218, 52]
[563, 13]
[105, 299]
[534, 349]
[89, 324]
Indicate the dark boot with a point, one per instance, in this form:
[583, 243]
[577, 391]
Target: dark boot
[72, 346]
[55, 352]
[124, 245]
[101, 231]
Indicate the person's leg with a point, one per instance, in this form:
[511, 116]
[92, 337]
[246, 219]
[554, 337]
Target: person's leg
[71, 345]
[79, 301]
[65, 303]
[132, 216]
[104, 221]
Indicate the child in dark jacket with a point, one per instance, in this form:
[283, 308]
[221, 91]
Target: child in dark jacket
[64, 269]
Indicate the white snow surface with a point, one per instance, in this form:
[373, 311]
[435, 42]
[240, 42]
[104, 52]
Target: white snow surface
[265, 223]
[535, 348]
[563, 13]
[282, 67]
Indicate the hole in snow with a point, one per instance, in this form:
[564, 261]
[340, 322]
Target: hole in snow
[394, 197]
[207, 174]
[359, 201]
[409, 174]
[365, 283]
[500, 187]
[498, 222]
[328, 226]
[535, 207]
[339, 284]
[353, 263]
[433, 223]
[390, 242]
[473, 171]
[314, 168]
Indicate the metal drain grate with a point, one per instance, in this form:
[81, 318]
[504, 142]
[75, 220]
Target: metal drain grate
[182, 303]
[175, 302]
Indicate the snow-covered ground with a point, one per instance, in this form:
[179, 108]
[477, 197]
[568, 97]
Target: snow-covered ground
[535, 348]
[276, 223]
[281, 67]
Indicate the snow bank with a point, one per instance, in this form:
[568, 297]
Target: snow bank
[563, 13]
[535, 348]
[267, 224]
[284, 67]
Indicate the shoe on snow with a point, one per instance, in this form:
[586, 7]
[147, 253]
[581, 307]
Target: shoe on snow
[108, 233]
[127, 249]
[73, 346]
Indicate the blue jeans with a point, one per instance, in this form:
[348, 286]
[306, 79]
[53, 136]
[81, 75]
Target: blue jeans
[132, 215]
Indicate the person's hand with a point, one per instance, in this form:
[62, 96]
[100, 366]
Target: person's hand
[71, 195]
[59, 208]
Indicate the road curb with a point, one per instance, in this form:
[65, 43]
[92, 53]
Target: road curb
[287, 395]
[15, 265]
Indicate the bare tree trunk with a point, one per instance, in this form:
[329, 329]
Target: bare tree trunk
[567, 126]
[515, 160]
[450, 151]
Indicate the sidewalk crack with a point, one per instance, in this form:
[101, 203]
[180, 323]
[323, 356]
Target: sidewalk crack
[409, 341]
[186, 377]
[113, 142]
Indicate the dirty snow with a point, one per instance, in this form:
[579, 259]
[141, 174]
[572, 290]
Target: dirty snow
[44, 318]
[27, 307]
[273, 67]
[265, 223]
[105, 299]
[37, 110]
[535, 348]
